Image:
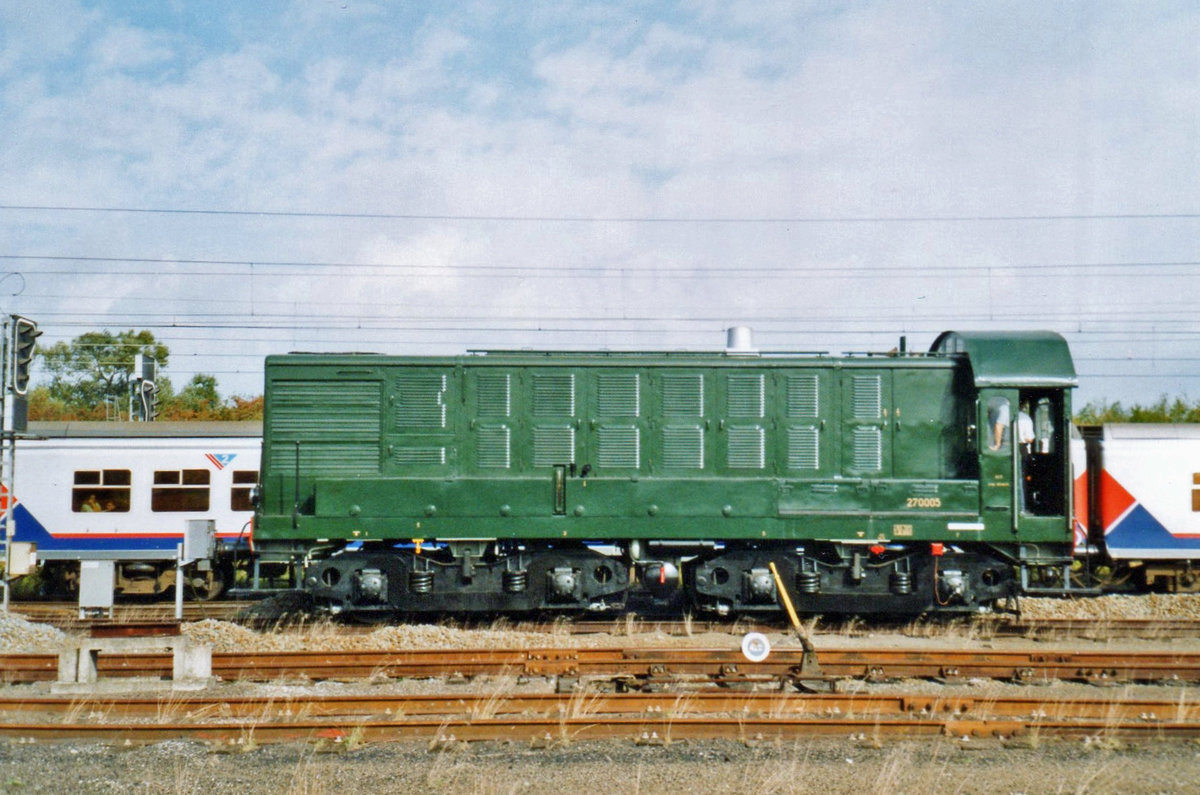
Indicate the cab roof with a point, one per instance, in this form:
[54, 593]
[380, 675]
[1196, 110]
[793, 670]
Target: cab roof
[1012, 358]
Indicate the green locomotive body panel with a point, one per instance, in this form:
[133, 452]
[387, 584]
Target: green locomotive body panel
[605, 447]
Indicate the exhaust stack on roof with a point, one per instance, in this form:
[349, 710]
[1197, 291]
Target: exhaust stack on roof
[740, 342]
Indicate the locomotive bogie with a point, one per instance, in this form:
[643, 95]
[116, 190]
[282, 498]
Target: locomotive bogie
[436, 580]
[830, 578]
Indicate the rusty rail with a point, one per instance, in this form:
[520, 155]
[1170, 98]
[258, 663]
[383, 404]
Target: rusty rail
[549, 719]
[66, 615]
[637, 666]
[215, 706]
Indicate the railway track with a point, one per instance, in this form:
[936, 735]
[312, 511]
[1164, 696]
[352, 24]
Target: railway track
[634, 668]
[1102, 628]
[66, 616]
[549, 718]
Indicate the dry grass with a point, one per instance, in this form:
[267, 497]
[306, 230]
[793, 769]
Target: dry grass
[87, 708]
[490, 707]
[306, 779]
[173, 707]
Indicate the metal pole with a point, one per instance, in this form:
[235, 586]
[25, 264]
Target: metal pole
[179, 582]
[7, 465]
[6, 444]
[808, 665]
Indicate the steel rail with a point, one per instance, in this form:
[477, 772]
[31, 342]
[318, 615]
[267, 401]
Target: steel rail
[1102, 627]
[542, 731]
[66, 615]
[726, 664]
[211, 707]
[638, 664]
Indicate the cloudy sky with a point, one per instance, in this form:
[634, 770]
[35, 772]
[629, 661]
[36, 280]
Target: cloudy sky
[433, 177]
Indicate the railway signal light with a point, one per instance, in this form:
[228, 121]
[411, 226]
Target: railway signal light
[24, 341]
[143, 390]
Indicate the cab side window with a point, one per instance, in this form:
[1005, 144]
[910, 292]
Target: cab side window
[998, 437]
[1043, 427]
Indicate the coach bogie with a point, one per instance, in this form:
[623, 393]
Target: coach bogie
[207, 579]
[143, 578]
[1171, 577]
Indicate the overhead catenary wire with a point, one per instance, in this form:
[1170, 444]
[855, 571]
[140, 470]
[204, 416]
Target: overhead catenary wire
[793, 270]
[274, 323]
[606, 219]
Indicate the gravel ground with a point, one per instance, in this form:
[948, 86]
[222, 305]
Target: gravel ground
[20, 636]
[1115, 606]
[845, 765]
[827, 766]
[17, 635]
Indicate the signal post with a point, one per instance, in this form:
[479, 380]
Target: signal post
[19, 342]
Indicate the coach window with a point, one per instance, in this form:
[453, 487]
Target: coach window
[1196, 491]
[243, 483]
[179, 490]
[101, 491]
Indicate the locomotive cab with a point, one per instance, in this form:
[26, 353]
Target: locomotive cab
[1023, 410]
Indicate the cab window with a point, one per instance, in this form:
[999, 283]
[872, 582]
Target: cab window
[1043, 427]
[998, 438]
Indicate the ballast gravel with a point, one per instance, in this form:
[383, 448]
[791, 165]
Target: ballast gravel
[21, 636]
[830, 766]
[1115, 606]
[18, 635]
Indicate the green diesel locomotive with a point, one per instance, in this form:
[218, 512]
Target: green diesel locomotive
[530, 481]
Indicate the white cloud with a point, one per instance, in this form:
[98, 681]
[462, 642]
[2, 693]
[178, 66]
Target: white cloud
[743, 110]
[122, 47]
[40, 33]
[430, 260]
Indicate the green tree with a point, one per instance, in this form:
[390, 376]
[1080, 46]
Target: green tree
[199, 400]
[245, 408]
[44, 407]
[1179, 409]
[96, 367]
